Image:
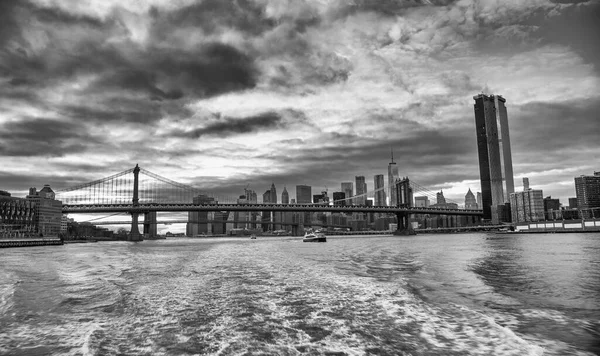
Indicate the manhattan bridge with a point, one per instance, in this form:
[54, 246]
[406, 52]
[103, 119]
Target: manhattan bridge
[137, 191]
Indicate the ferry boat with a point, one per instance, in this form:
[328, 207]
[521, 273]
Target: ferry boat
[314, 236]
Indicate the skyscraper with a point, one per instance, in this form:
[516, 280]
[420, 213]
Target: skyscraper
[587, 189]
[361, 190]
[470, 200]
[422, 201]
[495, 159]
[303, 194]
[379, 183]
[285, 197]
[339, 198]
[348, 189]
[273, 198]
[440, 197]
[392, 176]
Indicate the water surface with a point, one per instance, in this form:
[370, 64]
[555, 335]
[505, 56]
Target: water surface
[451, 294]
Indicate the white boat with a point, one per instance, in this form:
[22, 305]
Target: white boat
[314, 236]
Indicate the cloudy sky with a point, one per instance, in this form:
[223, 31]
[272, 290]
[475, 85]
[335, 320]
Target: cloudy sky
[220, 94]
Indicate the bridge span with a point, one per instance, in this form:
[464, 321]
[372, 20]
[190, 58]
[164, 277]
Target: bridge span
[186, 207]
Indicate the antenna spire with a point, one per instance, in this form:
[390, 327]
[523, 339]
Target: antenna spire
[392, 151]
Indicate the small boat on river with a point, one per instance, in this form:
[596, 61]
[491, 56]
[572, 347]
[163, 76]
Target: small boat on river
[314, 236]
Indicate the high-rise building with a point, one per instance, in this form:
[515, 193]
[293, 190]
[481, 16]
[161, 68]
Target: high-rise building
[587, 189]
[266, 214]
[197, 219]
[273, 198]
[303, 194]
[285, 197]
[379, 184]
[440, 197]
[348, 189]
[495, 159]
[525, 183]
[527, 205]
[392, 176]
[361, 190]
[339, 198]
[479, 200]
[48, 211]
[572, 203]
[421, 201]
[321, 198]
[470, 201]
[551, 208]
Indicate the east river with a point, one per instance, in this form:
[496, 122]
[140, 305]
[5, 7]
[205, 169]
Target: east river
[455, 294]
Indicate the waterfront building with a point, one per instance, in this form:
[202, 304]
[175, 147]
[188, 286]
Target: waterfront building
[421, 201]
[392, 177]
[470, 201]
[348, 189]
[361, 190]
[48, 211]
[379, 184]
[527, 205]
[197, 224]
[64, 223]
[17, 217]
[552, 208]
[339, 198]
[587, 189]
[494, 153]
[573, 203]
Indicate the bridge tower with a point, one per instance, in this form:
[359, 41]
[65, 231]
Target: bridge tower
[134, 235]
[404, 198]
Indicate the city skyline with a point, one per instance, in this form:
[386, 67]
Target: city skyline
[222, 96]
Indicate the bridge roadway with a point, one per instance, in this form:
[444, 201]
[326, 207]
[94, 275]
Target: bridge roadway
[169, 222]
[151, 207]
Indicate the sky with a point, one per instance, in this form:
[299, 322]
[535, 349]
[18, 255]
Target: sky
[222, 95]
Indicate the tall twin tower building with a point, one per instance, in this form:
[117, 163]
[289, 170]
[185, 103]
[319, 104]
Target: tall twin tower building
[495, 159]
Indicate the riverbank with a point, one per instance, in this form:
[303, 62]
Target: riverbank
[30, 242]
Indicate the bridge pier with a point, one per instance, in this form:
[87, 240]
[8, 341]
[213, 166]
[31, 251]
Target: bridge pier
[404, 226]
[150, 224]
[134, 235]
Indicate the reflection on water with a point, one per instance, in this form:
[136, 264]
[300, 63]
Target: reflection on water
[471, 294]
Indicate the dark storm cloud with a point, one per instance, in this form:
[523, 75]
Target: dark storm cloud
[228, 126]
[125, 110]
[564, 132]
[212, 16]
[390, 7]
[68, 46]
[43, 137]
[576, 27]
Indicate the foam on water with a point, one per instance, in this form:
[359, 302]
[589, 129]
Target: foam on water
[276, 297]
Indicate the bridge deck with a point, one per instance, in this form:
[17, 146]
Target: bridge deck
[142, 208]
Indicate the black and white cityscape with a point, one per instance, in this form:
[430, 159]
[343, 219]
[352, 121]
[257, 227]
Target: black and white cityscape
[240, 177]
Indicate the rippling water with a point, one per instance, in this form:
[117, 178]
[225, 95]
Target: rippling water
[470, 294]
